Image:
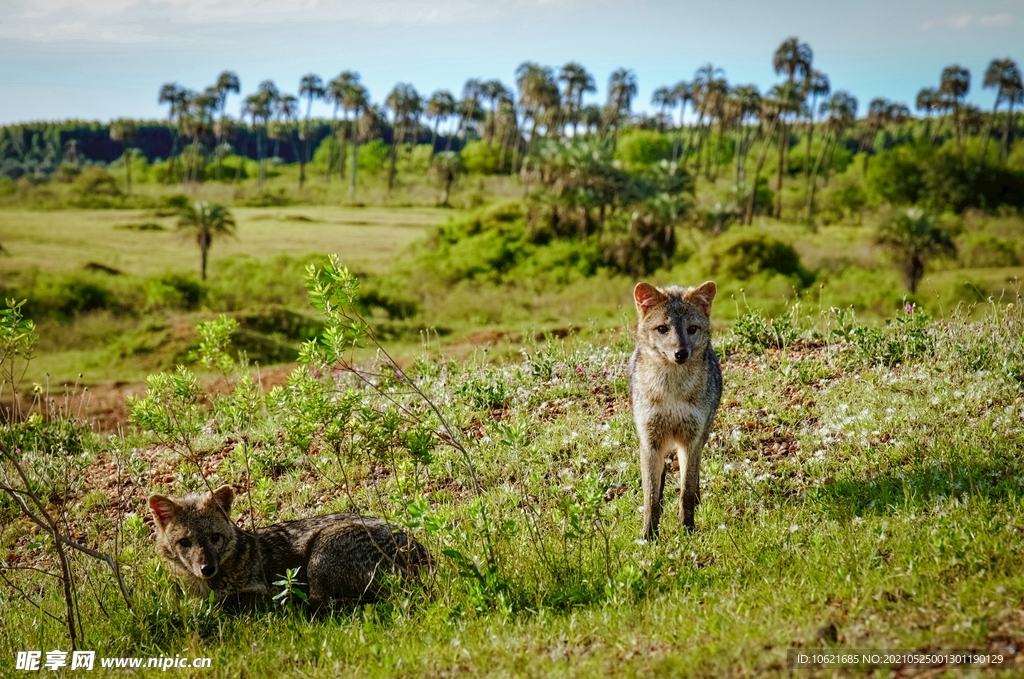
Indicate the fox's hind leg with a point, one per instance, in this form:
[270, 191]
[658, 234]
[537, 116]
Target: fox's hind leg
[689, 483]
[652, 476]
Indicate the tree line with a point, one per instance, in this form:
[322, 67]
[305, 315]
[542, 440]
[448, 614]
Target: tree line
[542, 106]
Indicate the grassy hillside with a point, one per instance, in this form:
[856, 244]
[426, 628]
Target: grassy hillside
[861, 489]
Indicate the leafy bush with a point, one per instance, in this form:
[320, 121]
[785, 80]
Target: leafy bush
[978, 250]
[174, 291]
[939, 179]
[372, 157]
[757, 333]
[232, 167]
[64, 296]
[643, 147]
[905, 338]
[494, 245]
[745, 254]
[481, 158]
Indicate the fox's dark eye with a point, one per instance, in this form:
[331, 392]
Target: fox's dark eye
[662, 329]
[215, 538]
[692, 329]
[184, 543]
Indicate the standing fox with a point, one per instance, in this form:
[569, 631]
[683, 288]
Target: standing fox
[340, 555]
[675, 384]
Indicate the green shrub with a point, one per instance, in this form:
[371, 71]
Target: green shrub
[65, 296]
[896, 175]
[495, 245]
[232, 167]
[905, 338]
[938, 178]
[481, 158]
[643, 147]
[757, 333]
[978, 250]
[373, 156]
[174, 291]
[745, 254]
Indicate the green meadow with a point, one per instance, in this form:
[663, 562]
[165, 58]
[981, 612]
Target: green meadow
[440, 337]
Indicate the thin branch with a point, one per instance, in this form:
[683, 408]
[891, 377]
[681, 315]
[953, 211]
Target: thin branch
[57, 535]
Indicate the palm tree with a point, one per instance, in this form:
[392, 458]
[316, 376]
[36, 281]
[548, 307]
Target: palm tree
[448, 166]
[227, 82]
[311, 87]
[841, 112]
[913, 238]
[440, 107]
[927, 101]
[577, 83]
[876, 119]
[468, 109]
[897, 114]
[815, 85]
[771, 112]
[704, 85]
[664, 99]
[682, 92]
[1005, 76]
[509, 125]
[622, 87]
[402, 100]
[123, 131]
[494, 91]
[357, 100]
[260, 106]
[286, 110]
[747, 103]
[717, 92]
[538, 94]
[340, 91]
[955, 83]
[175, 96]
[196, 122]
[204, 221]
[790, 101]
[792, 58]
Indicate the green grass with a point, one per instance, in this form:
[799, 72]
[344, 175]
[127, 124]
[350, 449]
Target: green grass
[71, 239]
[885, 501]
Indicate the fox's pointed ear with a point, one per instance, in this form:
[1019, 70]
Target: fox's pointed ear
[163, 509]
[223, 497]
[703, 296]
[647, 297]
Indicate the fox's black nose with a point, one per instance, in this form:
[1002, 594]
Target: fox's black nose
[682, 355]
[209, 570]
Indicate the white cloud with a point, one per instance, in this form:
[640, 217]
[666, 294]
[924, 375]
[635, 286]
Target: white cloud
[1001, 19]
[153, 20]
[962, 20]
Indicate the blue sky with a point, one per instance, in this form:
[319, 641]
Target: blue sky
[102, 59]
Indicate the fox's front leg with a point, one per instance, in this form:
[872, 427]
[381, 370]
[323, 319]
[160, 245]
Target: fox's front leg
[689, 483]
[652, 477]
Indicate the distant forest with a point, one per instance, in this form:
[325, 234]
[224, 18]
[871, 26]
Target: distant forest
[544, 128]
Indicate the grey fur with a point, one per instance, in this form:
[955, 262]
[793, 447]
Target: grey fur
[675, 385]
[340, 557]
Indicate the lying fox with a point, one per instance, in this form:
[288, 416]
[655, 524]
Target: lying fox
[675, 384]
[340, 556]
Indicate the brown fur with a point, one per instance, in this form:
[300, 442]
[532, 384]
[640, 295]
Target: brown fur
[340, 556]
[675, 384]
